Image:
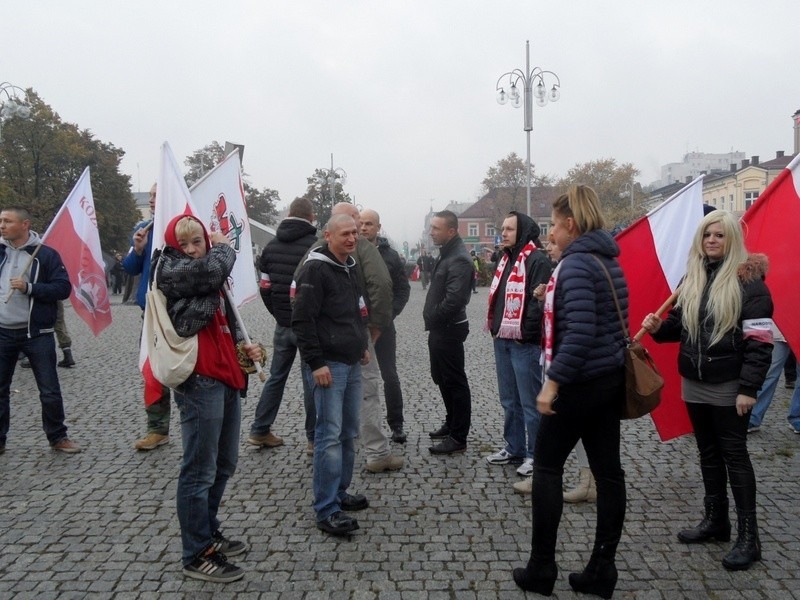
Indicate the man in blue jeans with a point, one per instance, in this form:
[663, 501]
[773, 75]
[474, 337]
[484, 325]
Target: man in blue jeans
[329, 320]
[278, 262]
[780, 353]
[30, 287]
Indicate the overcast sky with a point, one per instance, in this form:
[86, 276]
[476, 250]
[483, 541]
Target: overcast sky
[403, 92]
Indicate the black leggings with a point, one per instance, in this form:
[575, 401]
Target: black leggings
[721, 436]
[590, 412]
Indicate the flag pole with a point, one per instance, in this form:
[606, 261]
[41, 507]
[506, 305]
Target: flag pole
[261, 375]
[667, 303]
[25, 270]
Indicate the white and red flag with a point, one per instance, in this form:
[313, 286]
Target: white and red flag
[653, 257]
[172, 199]
[74, 234]
[218, 199]
[770, 227]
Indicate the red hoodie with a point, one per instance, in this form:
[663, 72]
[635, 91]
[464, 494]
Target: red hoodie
[216, 354]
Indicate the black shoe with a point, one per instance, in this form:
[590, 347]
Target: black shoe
[715, 524]
[338, 524]
[228, 547]
[213, 566]
[539, 578]
[353, 502]
[448, 446]
[399, 436]
[790, 384]
[442, 432]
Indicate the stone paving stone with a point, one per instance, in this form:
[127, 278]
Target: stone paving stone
[102, 524]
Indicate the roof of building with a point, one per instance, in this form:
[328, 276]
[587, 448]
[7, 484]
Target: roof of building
[541, 201]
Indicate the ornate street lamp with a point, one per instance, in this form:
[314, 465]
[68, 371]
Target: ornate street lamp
[330, 176]
[534, 83]
[11, 105]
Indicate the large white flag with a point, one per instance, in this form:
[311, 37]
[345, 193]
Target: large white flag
[74, 234]
[218, 201]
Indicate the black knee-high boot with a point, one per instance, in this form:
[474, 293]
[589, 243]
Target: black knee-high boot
[600, 575]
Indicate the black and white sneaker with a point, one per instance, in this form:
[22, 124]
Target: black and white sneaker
[228, 547]
[213, 566]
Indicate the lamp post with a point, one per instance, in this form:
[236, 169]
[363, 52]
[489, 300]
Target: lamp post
[528, 78]
[627, 188]
[11, 105]
[330, 176]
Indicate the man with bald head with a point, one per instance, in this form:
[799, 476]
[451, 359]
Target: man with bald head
[378, 295]
[329, 322]
[386, 345]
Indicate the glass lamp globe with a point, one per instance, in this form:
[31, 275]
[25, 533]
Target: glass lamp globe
[555, 94]
[513, 93]
[516, 101]
[502, 97]
[539, 91]
[541, 101]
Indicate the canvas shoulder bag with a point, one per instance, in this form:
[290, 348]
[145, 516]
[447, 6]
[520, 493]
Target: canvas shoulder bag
[643, 382]
[172, 357]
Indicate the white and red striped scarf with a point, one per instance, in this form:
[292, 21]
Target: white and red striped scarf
[514, 306]
[549, 321]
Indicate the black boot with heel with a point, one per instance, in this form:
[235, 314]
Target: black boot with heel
[537, 577]
[600, 575]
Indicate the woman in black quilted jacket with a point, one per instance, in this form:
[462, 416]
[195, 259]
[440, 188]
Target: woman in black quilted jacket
[723, 320]
[582, 394]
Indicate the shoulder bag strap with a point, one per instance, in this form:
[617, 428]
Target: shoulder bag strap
[614, 294]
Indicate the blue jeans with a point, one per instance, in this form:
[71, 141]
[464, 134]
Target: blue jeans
[519, 381]
[284, 350]
[337, 426]
[210, 418]
[41, 352]
[780, 352]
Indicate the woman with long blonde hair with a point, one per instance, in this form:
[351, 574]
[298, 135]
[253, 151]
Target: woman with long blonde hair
[722, 320]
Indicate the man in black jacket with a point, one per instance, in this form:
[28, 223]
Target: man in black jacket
[445, 318]
[386, 344]
[330, 321]
[295, 235]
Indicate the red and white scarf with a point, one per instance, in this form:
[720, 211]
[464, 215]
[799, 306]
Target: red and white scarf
[514, 305]
[549, 321]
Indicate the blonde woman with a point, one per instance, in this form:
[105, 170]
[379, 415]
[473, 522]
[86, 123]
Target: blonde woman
[582, 393]
[723, 320]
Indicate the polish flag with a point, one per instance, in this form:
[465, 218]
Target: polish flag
[173, 199]
[653, 254]
[74, 234]
[770, 226]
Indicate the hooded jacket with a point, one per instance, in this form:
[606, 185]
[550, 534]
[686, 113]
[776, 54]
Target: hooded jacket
[401, 289]
[48, 283]
[538, 269]
[589, 341]
[329, 315]
[737, 356]
[451, 287]
[139, 264]
[193, 288]
[279, 260]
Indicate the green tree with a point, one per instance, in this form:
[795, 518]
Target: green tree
[41, 159]
[319, 194]
[262, 203]
[612, 183]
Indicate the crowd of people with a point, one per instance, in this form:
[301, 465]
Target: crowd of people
[553, 314]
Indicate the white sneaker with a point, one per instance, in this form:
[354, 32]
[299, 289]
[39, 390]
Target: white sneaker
[503, 458]
[526, 468]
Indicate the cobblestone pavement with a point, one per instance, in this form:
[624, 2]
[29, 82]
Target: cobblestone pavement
[102, 523]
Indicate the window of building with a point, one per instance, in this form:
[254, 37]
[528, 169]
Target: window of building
[472, 228]
[749, 199]
[543, 229]
[491, 230]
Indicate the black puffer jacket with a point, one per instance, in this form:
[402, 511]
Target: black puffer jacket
[589, 341]
[401, 289]
[738, 355]
[538, 269]
[279, 260]
[451, 287]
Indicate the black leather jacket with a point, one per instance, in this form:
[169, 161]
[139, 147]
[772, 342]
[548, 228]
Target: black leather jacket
[451, 287]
